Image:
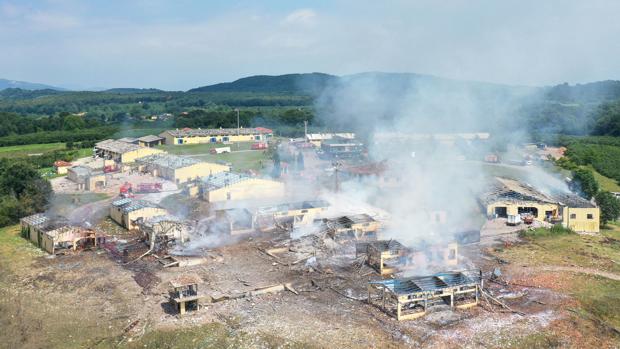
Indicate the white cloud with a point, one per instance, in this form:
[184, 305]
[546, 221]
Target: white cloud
[303, 16]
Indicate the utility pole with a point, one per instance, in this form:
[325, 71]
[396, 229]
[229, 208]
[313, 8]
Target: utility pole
[305, 130]
[238, 127]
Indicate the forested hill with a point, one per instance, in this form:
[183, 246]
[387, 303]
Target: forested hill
[4, 84]
[310, 83]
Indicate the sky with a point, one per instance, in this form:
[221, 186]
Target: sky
[181, 44]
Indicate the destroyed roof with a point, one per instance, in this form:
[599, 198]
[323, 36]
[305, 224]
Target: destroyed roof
[130, 205]
[116, 146]
[514, 191]
[35, 219]
[223, 179]
[81, 171]
[150, 138]
[348, 221]
[430, 283]
[168, 161]
[387, 245]
[185, 280]
[188, 132]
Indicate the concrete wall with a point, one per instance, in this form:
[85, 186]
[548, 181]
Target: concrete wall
[577, 219]
[145, 212]
[253, 188]
[201, 169]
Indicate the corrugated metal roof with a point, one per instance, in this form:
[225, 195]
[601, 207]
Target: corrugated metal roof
[116, 146]
[150, 138]
[223, 179]
[168, 161]
[121, 202]
[431, 283]
[188, 132]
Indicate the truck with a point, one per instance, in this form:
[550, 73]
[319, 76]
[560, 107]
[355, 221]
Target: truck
[126, 190]
[513, 220]
[149, 188]
[221, 150]
[260, 146]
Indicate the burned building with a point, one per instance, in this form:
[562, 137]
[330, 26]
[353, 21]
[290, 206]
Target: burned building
[290, 214]
[150, 141]
[507, 197]
[410, 298]
[185, 296]
[317, 139]
[126, 211]
[86, 178]
[54, 234]
[161, 232]
[341, 148]
[234, 221]
[390, 256]
[355, 227]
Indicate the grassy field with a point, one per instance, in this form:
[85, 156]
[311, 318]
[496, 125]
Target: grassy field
[605, 183]
[241, 158]
[598, 297]
[25, 150]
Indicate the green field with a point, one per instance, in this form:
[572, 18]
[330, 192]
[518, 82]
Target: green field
[29, 149]
[241, 158]
[606, 183]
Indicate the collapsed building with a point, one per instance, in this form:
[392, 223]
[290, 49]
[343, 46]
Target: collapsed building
[126, 212]
[410, 298]
[54, 235]
[317, 139]
[234, 221]
[122, 152]
[290, 215]
[226, 186]
[390, 256]
[162, 232]
[177, 168]
[86, 178]
[509, 197]
[353, 227]
[185, 296]
[217, 135]
[341, 147]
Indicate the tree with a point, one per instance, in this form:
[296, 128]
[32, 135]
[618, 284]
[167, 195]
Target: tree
[609, 205]
[73, 122]
[585, 182]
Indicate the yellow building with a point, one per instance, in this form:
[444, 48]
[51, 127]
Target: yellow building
[150, 141]
[126, 211]
[219, 135]
[177, 168]
[86, 178]
[226, 186]
[510, 197]
[53, 234]
[297, 213]
[122, 152]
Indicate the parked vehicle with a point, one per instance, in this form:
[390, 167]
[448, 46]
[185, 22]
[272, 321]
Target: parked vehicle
[126, 190]
[527, 218]
[260, 146]
[220, 150]
[513, 220]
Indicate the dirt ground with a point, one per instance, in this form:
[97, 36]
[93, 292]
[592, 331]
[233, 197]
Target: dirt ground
[93, 299]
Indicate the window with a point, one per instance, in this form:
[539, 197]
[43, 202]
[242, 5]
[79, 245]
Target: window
[179, 141]
[452, 254]
[257, 138]
[213, 140]
[224, 139]
[304, 211]
[573, 216]
[590, 216]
